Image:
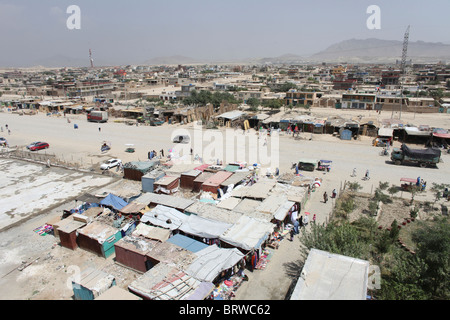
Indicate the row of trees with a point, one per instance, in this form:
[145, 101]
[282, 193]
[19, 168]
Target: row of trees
[204, 97]
[269, 103]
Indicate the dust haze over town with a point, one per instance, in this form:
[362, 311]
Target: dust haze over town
[235, 129]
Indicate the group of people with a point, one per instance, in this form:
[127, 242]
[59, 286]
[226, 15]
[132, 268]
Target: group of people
[325, 195]
[421, 184]
[7, 128]
[298, 222]
[366, 176]
[153, 154]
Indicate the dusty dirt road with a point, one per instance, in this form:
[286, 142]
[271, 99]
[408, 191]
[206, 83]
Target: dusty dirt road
[47, 277]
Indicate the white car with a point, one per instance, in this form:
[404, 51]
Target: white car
[110, 164]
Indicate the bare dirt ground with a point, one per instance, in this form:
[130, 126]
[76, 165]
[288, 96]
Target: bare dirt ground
[47, 277]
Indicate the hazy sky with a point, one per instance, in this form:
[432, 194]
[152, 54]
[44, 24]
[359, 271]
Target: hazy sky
[133, 31]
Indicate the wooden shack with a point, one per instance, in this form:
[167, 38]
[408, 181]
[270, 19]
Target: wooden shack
[68, 233]
[91, 284]
[136, 169]
[166, 185]
[214, 182]
[187, 179]
[99, 238]
[131, 252]
[198, 182]
[150, 178]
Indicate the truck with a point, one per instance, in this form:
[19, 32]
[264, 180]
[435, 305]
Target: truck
[97, 116]
[422, 157]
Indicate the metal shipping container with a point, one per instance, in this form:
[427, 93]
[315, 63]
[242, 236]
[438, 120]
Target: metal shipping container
[131, 252]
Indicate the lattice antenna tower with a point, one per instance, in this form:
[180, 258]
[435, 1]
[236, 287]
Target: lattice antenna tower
[90, 58]
[405, 51]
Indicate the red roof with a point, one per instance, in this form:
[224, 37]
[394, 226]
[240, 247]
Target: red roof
[442, 135]
[202, 167]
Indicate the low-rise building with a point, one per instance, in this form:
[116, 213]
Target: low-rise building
[301, 98]
[359, 101]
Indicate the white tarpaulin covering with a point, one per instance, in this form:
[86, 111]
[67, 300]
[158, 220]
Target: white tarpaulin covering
[212, 261]
[205, 228]
[165, 217]
[248, 233]
[414, 131]
[283, 210]
[385, 132]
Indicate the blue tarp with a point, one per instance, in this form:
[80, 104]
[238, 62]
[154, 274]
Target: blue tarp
[113, 201]
[187, 243]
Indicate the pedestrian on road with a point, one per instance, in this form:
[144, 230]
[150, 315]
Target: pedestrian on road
[354, 172]
[325, 197]
[305, 220]
[99, 129]
[333, 194]
[314, 218]
[162, 152]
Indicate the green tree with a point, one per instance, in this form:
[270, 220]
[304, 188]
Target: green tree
[339, 238]
[433, 247]
[395, 231]
[354, 186]
[273, 103]
[383, 185]
[403, 279]
[285, 87]
[393, 190]
[253, 102]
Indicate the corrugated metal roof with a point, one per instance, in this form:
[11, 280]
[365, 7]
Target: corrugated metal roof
[164, 282]
[236, 178]
[151, 232]
[163, 199]
[71, 226]
[217, 178]
[98, 231]
[187, 243]
[232, 115]
[259, 190]
[212, 260]
[165, 217]
[248, 233]
[95, 280]
[117, 293]
[211, 211]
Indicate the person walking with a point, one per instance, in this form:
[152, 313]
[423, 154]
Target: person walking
[354, 172]
[162, 152]
[325, 197]
[333, 194]
[366, 177]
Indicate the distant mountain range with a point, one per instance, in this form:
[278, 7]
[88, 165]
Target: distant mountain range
[353, 51]
[388, 51]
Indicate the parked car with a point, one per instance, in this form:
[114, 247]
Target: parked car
[181, 139]
[111, 163]
[38, 146]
